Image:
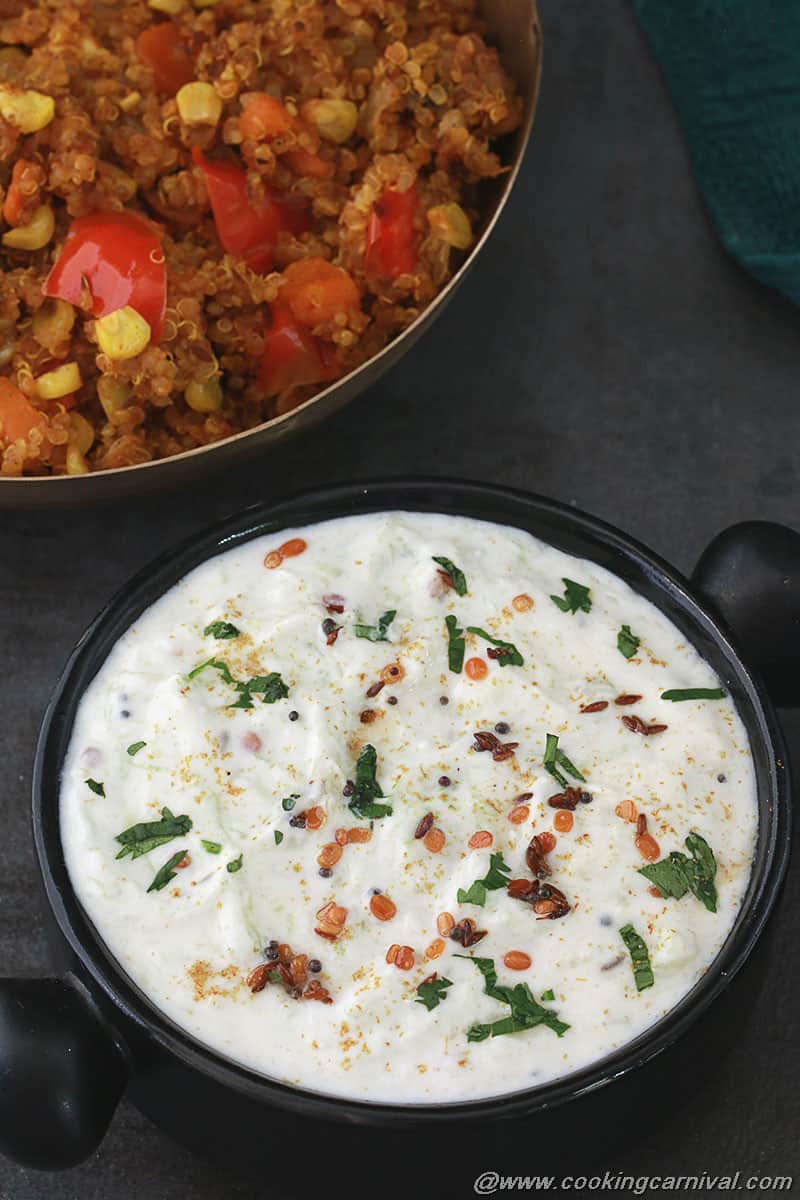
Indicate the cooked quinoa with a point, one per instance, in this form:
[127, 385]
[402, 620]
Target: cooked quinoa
[210, 210]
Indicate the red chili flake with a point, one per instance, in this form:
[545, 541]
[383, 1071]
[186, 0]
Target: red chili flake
[466, 933]
[333, 602]
[500, 750]
[637, 725]
[627, 698]
[641, 824]
[569, 799]
[550, 904]
[315, 991]
[523, 889]
[597, 706]
[183, 863]
[522, 798]
[259, 976]
[331, 630]
[425, 825]
[535, 857]
[291, 970]
[446, 578]
[375, 688]
[368, 716]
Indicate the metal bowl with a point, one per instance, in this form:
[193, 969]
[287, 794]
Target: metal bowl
[514, 27]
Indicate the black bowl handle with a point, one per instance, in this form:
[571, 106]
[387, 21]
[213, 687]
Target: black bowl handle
[750, 574]
[62, 1073]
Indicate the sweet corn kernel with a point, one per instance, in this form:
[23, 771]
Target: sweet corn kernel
[122, 334]
[76, 463]
[52, 324]
[13, 62]
[451, 224]
[113, 394]
[30, 111]
[170, 7]
[198, 104]
[82, 432]
[129, 102]
[61, 381]
[204, 397]
[334, 120]
[36, 234]
[8, 341]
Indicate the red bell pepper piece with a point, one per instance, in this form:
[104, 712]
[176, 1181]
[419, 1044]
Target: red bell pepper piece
[162, 48]
[121, 260]
[293, 357]
[247, 230]
[391, 236]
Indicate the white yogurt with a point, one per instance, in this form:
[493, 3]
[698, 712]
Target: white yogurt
[192, 945]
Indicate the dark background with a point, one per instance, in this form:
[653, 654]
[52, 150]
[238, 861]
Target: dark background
[604, 352]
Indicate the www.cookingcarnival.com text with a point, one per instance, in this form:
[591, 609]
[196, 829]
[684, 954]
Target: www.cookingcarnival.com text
[490, 1183]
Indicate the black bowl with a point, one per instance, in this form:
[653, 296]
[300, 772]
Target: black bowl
[70, 1045]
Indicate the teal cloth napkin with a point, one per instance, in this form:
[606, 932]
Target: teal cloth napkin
[733, 69]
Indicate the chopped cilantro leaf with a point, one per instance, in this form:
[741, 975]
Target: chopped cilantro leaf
[455, 645]
[367, 789]
[376, 633]
[432, 992]
[677, 874]
[640, 958]
[269, 687]
[576, 598]
[474, 894]
[221, 630]
[99, 789]
[554, 759]
[135, 747]
[288, 803]
[149, 835]
[548, 995]
[494, 879]
[234, 865]
[677, 694]
[526, 1012]
[456, 574]
[211, 847]
[218, 665]
[278, 837]
[627, 643]
[164, 874]
[508, 656]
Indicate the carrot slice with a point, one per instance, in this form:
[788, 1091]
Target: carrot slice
[17, 415]
[264, 116]
[15, 201]
[315, 291]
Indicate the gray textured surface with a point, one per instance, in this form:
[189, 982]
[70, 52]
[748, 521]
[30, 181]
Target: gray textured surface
[604, 352]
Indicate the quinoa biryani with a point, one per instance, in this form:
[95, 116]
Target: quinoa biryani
[211, 209]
